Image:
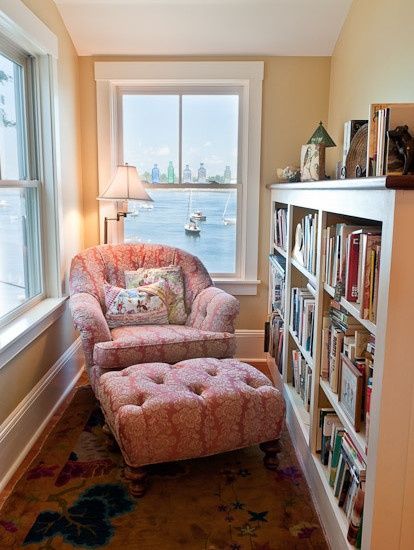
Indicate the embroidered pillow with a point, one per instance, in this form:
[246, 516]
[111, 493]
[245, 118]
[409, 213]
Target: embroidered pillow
[173, 276]
[136, 306]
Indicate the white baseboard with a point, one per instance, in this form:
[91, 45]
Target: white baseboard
[23, 426]
[250, 345]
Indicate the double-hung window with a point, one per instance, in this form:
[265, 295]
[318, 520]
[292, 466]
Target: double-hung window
[185, 144]
[193, 131]
[21, 279]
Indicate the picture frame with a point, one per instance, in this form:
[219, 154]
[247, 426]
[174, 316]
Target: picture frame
[350, 393]
[312, 162]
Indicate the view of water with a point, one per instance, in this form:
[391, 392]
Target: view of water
[164, 224]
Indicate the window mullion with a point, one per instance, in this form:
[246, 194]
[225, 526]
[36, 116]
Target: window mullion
[180, 138]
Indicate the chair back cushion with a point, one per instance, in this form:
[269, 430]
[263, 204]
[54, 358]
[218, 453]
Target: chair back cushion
[94, 266]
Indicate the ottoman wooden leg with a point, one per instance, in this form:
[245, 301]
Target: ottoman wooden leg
[138, 480]
[271, 449]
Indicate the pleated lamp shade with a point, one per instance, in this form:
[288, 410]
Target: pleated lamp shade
[126, 185]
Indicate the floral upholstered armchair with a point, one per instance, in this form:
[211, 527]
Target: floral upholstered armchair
[207, 332]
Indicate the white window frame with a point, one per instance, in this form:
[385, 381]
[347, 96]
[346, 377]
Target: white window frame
[19, 25]
[248, 76]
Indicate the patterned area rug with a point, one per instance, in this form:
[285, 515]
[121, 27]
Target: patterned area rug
[74, 496]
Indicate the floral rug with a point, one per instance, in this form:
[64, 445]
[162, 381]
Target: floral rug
[74, 496]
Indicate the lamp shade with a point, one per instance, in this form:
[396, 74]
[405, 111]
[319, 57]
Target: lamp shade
[320, 135]
[126, 185]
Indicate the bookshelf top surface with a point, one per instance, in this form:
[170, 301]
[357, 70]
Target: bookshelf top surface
[385, 183]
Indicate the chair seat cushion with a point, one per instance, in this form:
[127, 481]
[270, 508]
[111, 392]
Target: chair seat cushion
[160, 412]
[166, 343]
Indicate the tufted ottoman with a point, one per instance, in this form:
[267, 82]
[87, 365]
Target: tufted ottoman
[159, 412]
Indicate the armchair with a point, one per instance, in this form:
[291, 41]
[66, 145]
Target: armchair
[208, 332]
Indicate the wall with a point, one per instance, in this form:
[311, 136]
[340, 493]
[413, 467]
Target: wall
[372, 62]
[295, 98]
[19, 376]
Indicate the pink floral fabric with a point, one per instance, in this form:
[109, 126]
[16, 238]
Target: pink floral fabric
[214, 310]
[166, 343]
[89, 319]
[199, 407]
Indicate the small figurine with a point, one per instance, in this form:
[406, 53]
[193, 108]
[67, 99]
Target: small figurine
[405, 146]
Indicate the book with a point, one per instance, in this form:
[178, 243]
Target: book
[329, 421]
[355, 520]
[351, 279]
[336, 444]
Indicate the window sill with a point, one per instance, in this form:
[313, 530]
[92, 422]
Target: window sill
[238, 287]
[18, 334]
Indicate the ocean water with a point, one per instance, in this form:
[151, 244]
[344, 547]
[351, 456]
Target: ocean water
[164, 224]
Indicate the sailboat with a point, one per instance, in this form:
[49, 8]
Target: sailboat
[198, 215]
[191, 227]
[228, 220]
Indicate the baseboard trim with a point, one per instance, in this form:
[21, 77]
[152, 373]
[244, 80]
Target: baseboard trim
[23, 426]
[250, 345]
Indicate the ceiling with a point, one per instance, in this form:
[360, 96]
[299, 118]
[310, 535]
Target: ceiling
[204, 27]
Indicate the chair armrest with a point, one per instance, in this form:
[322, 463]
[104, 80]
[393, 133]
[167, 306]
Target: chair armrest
[89, 319]
[214, 310]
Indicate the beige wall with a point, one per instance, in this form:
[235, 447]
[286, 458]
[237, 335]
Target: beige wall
[372, 62]
[19, 376]
[295, 98]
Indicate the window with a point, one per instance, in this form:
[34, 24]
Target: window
[20, 259]
[193, 129]
[180, 142]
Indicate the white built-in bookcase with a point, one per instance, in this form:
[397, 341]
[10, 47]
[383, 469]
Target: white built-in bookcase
[389, 502]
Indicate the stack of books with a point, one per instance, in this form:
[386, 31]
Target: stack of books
[352, 257]
[277, 283]
[346, 470]
[305, 251]
[302, 314]
[280, 228]
[302, 378]
[383, 155]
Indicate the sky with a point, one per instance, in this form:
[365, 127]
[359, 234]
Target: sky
[210, 132]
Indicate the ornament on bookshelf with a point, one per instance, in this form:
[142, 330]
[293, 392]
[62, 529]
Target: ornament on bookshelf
[290, 174]
[356, 159]
[404, 144]
[312, 162]
[297, 252]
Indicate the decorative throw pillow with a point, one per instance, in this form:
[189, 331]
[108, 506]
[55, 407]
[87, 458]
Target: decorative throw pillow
[173, 276]
[136, 306]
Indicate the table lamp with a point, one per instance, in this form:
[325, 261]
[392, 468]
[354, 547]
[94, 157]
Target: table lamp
[125, 186]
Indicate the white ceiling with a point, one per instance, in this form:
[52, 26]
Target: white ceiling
[204, 27]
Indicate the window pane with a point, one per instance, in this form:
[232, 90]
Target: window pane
[164, 221]
[210, 138]
[12, 142]
[151, 135]
[19, 248]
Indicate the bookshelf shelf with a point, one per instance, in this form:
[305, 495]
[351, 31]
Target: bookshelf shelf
[280, 250]
[305, 353]
[357, 437]
[352, 310]
[389, 203]
[311, 278]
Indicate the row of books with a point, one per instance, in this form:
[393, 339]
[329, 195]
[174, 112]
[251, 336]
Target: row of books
[302, 378]
[280, 228]
[383, 153]
[277, 283]
[305, 247]
[274, 331]
[347, 363]
[352, 260]
[302, 315]
[346, 471]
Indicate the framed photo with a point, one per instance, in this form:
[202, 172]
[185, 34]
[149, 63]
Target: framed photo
[312, 162]
[350, 395]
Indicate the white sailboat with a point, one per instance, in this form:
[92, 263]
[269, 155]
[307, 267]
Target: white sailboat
[191, 227]
[226, 219]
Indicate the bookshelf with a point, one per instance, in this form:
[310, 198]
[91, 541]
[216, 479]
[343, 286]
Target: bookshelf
[389, 453]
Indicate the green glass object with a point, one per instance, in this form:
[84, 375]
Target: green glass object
[170, 173]
[320, 135]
